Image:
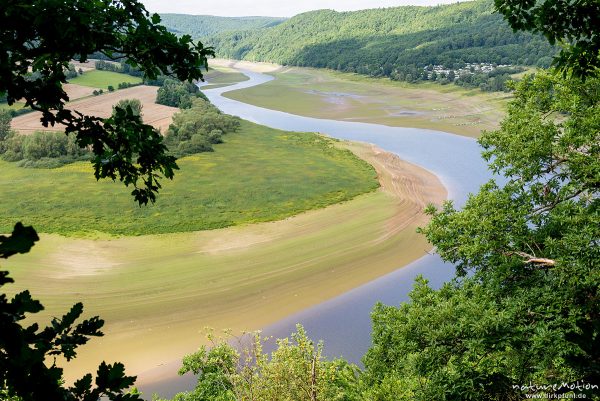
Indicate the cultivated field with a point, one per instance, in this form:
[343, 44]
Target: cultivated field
[157, 115]
[351, 97]
[156, 293]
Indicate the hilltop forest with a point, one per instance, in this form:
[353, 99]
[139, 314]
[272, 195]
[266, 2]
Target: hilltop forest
[199, 26]
[394, 42]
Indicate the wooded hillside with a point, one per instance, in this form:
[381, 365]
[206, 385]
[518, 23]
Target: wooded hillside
[199, 26]
[389, 42]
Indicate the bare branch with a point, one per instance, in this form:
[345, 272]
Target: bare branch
[532, 259]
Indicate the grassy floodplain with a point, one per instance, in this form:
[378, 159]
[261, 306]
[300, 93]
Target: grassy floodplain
[157, 292]
[103, 79]
[259, 174]
[222, 76]
[342, 96]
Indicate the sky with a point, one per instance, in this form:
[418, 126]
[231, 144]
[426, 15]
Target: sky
[275, 8]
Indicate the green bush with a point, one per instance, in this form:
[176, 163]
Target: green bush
[178, 94]
[196, 129]
[41, 149]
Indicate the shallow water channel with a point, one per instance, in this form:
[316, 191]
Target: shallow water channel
[343, 322]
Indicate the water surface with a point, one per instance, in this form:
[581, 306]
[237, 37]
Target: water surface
[344, 321]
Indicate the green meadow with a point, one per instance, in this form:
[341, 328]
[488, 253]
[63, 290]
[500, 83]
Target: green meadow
[16, 106]
[258, 174]
[222, 76]
[103, 79]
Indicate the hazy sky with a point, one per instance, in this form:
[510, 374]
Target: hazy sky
[279, 8]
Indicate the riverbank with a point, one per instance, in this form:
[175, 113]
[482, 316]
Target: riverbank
[328, 94]
[242, 278]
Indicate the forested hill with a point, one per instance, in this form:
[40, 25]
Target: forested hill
[389, 41]
[199, 26]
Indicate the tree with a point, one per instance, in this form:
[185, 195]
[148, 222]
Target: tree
[295, 371]
[524, 308]
[5, 119]
[134, 104]
[574, 24]
[34, 56]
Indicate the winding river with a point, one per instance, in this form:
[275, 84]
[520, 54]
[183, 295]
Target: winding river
[344, 321]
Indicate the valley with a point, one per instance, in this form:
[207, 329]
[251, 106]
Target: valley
[359, 201]
[340, 96]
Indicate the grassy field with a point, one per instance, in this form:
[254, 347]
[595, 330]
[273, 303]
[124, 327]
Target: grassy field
[351, 97]
[102, 79]
[15, 106]
[222, 76]
[259, 174]
[157, 292]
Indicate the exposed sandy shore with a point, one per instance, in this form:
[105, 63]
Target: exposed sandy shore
[309, 258]
[246, 65]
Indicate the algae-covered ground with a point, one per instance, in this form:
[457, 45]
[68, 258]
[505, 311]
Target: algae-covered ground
[351, 97]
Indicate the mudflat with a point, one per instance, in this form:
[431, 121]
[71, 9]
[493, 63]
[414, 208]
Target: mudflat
[157, 292]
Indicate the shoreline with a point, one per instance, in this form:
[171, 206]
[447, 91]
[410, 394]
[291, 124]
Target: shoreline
[281, 268]
[393, 174]
[333, 95]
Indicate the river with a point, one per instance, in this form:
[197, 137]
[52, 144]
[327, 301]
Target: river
[343, 323]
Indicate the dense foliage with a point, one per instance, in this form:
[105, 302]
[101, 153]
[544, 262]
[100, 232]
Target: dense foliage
[525, 308]
[42, 149]
[571, 23]
[134, 104]
[200, 26]
[198, 127]
[391, 42]
[175, 93]
[121, 67]
[295, 371]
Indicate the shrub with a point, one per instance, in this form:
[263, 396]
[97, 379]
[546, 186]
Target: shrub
[196, 129]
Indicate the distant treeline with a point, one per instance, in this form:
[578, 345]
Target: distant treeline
[41, 149]
[394, 42]
[199, 26]
[120, 67]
